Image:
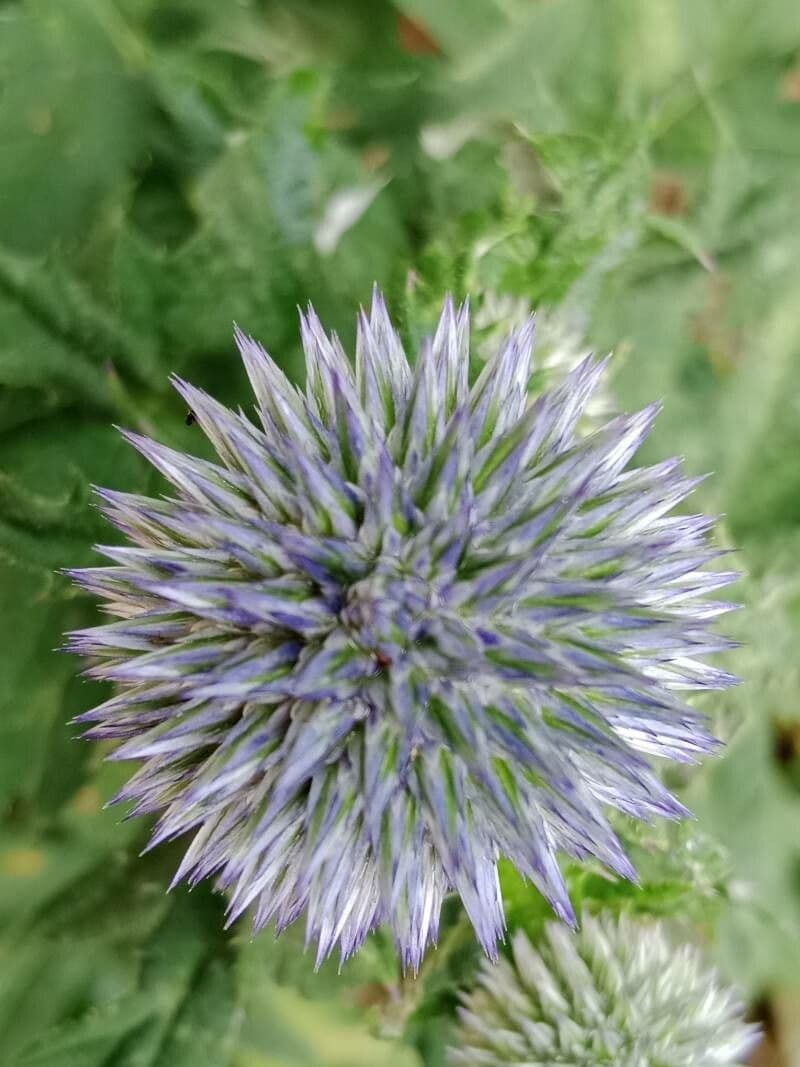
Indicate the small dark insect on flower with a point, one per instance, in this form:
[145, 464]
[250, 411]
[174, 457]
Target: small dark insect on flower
[402, 628]
[190, 418]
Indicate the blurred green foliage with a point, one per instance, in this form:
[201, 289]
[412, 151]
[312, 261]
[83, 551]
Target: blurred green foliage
[169, 166]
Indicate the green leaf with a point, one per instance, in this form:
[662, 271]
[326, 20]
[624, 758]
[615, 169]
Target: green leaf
[755, 813]
[71, 116]
[94, 1043]
[336, 1017]
[47, 518]
[37, 694]
[181, 1010]
[54, 299]
[47, 522]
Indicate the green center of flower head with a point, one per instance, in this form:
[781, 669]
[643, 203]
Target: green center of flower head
[390, 611]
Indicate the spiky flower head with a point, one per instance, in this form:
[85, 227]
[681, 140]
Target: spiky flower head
[560, 345]
[615, 993]
[402, 628]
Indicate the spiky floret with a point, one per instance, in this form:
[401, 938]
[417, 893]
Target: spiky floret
[615, 993]
[402, 628]
[560, 345]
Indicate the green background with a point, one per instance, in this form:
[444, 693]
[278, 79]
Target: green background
[169, 166]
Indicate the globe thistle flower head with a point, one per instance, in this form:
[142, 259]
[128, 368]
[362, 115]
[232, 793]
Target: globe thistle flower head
[615, 993]
[560, 345]
[403, 627]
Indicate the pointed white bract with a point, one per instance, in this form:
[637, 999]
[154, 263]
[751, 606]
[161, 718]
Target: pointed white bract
[402, 628]
[616, 992]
